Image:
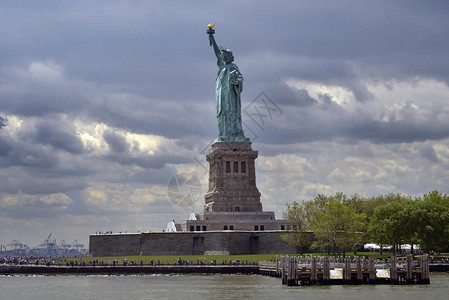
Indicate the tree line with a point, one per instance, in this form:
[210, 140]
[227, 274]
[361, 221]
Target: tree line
[341, 222]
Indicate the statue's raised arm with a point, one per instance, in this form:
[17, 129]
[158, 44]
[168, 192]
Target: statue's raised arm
[213, 43]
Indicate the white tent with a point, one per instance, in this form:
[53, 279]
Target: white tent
[171, 227]
[372, 246]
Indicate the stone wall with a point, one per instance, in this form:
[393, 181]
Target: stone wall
[114, 244]
[189, 243]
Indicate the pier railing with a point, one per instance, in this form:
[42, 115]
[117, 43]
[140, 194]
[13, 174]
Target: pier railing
[310, 270]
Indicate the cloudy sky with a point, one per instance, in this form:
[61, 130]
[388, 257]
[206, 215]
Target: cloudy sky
[102, 103]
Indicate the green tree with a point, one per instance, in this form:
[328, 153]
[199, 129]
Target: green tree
[394, 224]
[370, 205]
[337, 225]
[297, 218]
[433, 222]
[316, 206]
[358, 202]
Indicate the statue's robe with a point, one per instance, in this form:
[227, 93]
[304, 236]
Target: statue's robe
[229, 86]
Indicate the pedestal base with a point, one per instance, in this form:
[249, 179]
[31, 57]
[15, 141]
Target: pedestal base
[232, 179]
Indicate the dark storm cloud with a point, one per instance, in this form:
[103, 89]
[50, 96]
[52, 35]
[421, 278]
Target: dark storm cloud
[137, 45]
[26, 93]
[286, 96]
[151, 176]
[38, 89]
[142, 160]
[5, 148]
[116, 142]
[329, 122]
[29, 155]
[146, 160]
[430, 154]
[3, 122]
[59, 135]
[383, 35]
[148, 116]
[35, 210]
[37, 169]
[397, 131]
[122, 153]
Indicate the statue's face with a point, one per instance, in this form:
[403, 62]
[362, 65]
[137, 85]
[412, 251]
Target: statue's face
[228, 57]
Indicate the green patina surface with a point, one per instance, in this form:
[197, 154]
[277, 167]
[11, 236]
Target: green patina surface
[228, 87]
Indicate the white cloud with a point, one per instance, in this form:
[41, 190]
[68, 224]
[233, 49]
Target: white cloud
[46, 71]
[343, 96]
[124, 198]
[57, 200]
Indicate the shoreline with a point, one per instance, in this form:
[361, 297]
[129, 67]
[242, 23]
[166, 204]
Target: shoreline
[144, 270]
[127, 270]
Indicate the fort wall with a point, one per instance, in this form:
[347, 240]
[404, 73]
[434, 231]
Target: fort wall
[189, 243]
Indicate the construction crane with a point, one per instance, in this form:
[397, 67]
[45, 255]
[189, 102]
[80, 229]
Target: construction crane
[49, 247]
[15, 245]
[65, 248]
[77, 245]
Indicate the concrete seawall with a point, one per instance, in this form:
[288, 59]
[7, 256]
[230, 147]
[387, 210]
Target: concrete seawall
[141, 270]
[128, 270]
[438, 268]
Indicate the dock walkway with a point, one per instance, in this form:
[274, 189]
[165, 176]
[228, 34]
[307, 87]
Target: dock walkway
[296, 270]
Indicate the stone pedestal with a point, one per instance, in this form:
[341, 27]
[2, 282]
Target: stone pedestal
[232, 179]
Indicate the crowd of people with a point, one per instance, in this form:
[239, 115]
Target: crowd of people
[436, 260]
[203, 261]
[41, 261]
[83, 262]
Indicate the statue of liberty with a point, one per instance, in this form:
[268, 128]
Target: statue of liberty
[228, 87]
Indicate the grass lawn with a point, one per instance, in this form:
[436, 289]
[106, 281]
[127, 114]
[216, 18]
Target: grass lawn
[172, 259]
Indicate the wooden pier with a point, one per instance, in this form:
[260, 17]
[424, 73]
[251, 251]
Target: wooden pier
[296, 270]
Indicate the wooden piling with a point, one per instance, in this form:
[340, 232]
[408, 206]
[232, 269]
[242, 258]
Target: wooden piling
[358, 266]
[314, 272]
[419, 278]
[292, 270]
[372, 271]
[277, 267]
[284, 269]
[295, 269]
[393, 270]
[425, 272]
[326, 270]
[409, 269]
[347, 270]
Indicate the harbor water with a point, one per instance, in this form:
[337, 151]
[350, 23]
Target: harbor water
[204, 287]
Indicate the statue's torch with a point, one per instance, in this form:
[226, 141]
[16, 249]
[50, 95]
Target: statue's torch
[210, 31]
